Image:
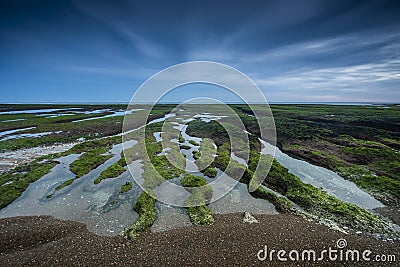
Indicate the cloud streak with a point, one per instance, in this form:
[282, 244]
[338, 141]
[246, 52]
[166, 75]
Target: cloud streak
[356, 83]
[313, 51]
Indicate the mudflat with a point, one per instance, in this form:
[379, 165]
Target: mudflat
[45, 241]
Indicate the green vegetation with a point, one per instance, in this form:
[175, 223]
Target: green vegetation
[313, 200]
[194, 143]
[212, 130]
[61, 131]
[64, 184]
[181, 139]
[361, 143]
[147, 215]
[112, 171]
[383, 187]
[371, 165]
[14, 182]
[197, 209]
[321, 204]
[151, 177]
[104, 143]
[210, 172]
[220, 138]
[206, 154]
[89, 161]
[61, 186]
[20, 143]
[59, 123]
[200, 215]
[190, 180]
[281, 204]
[196, 154]
[125, 187]
[185, 147]
[224, 158]
[329, 160]
[165, 168]
[158, 168]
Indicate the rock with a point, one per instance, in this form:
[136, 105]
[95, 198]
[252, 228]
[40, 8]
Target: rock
[248, 218]
[358, 232]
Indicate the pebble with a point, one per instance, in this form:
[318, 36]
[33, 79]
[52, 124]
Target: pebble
[248, 218]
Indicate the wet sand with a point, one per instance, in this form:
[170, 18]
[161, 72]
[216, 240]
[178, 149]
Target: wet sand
[44, 241]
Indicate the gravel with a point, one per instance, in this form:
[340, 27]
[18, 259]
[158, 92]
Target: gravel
[45, 241]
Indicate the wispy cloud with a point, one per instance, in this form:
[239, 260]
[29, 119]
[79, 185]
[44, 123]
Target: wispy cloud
[128, 72]
[339, 77]
[350, 45]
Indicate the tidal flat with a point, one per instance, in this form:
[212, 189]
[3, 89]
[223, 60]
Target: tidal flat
[335, 165]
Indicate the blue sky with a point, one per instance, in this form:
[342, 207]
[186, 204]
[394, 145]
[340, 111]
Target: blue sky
[296, 51]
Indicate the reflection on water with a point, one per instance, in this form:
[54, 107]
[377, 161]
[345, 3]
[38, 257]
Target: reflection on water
[4, 133]
[170, 217]
[238, 159]
[323, 178]
[29, 135]
[239, 200]
[100, 207]
[106, 212]
[114, 114]
[31, 111]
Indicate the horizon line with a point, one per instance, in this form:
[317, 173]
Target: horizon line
[232, 102]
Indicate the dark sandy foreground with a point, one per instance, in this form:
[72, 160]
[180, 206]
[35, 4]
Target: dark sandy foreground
[48, 242]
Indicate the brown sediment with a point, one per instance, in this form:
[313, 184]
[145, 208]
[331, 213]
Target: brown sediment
[393, 213]
[46, 241]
